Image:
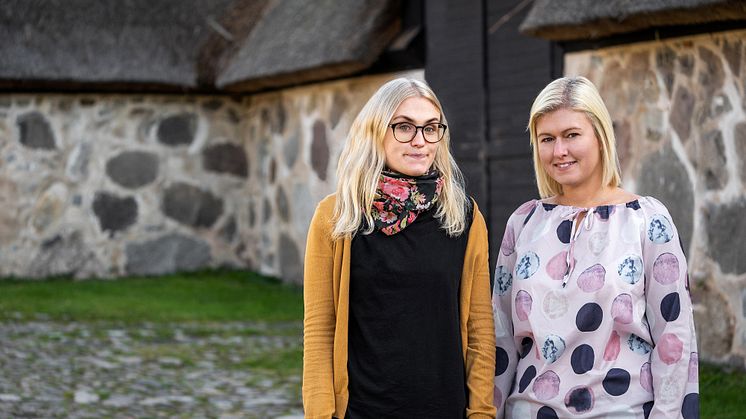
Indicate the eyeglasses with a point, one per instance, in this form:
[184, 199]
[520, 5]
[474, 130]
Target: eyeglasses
[405, 132]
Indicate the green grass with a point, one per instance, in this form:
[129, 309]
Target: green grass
[282, 361]
[204, 296]
[721, 393]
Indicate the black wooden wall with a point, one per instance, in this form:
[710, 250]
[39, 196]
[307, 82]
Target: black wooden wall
[454, 68]
[487, 75]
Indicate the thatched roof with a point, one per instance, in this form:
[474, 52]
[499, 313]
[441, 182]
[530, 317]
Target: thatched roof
[564, 20]
[238, 45]
[301, 40]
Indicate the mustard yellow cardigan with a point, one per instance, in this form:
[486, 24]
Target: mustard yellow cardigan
[326, 307]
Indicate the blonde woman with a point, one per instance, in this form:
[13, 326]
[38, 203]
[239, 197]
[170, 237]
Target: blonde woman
[398, 320]
[592, 309]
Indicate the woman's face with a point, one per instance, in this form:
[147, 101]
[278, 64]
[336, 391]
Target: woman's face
[569, 150]
[415, 157]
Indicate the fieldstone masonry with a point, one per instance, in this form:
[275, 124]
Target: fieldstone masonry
[110, 185]
[679, 111]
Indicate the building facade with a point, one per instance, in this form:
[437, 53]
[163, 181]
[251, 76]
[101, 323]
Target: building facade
[142, 142]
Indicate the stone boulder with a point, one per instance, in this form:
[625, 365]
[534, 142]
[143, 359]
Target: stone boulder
[291, 263]
[133, 169]
[191, 205]
[664, 177]
[226, 158]
[35, 132]
[726, 227]
[319, 150]
[114, 213]
[167, 254]
[177, 129]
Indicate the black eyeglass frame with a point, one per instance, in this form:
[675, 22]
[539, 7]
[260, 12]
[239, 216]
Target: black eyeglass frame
[419, 128]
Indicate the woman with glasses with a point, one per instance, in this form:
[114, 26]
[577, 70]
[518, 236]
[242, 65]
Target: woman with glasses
[593, 316]
[398, 320]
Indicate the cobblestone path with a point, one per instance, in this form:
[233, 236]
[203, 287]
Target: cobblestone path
[111, 370]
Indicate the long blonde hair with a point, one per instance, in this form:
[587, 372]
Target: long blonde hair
[362, 159]
[578, 94]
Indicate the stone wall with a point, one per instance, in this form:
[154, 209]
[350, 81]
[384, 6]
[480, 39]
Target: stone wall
[111, 185]
[679, 110]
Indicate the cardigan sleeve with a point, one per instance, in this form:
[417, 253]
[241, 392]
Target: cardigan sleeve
[673, 361]
[318, 317]
[480, 352]
[506, 353]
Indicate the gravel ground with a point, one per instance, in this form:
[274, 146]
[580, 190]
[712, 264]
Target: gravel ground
[94, 370]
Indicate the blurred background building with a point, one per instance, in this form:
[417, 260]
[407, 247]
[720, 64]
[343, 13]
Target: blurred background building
[146, 137]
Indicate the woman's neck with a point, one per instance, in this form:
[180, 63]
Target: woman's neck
[582, 198]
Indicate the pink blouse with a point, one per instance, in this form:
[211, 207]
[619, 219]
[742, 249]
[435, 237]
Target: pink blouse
[593, 318]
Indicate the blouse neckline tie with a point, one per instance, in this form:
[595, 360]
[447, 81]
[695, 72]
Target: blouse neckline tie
[574, 233]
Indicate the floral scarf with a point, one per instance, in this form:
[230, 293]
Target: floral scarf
[400, 199]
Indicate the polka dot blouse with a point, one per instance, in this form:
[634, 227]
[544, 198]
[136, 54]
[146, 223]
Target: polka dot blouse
[593, 317]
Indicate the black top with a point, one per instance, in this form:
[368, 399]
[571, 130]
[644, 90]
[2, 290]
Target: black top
[405, 358]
